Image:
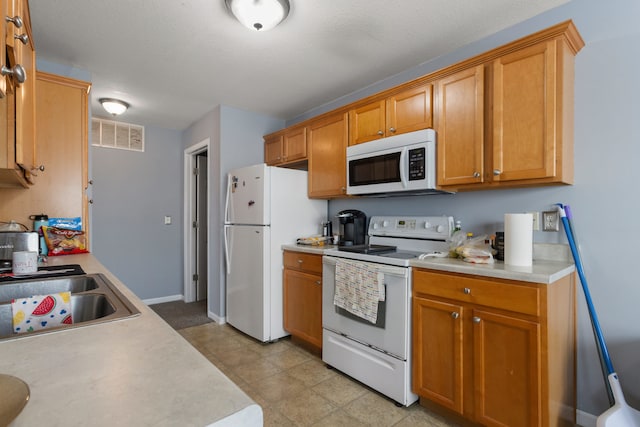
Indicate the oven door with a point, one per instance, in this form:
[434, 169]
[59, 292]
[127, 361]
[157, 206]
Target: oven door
[391, 332]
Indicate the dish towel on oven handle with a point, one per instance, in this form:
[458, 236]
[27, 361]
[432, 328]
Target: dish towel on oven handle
[358, 289]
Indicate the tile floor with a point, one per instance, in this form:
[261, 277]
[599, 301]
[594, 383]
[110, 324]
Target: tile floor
[293, 386]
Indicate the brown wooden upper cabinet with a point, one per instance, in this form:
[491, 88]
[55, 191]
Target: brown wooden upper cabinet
[459, 123]
[18, 166]
[404, 111]
[287, 146]
[507, 119]
[327, 138]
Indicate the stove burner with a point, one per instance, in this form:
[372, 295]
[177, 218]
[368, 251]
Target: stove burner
[368, 249]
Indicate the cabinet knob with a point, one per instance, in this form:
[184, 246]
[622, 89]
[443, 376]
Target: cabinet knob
[476, 319]
[22, 37]
[16, 20]
[497, 172]
[299, 261]
[476, 174]
[455, 314]
[318, 282]
[392, 130]
[380, 132]
[467, 291]
[17, 72]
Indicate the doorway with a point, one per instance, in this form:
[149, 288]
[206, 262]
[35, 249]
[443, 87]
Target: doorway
[196, 222]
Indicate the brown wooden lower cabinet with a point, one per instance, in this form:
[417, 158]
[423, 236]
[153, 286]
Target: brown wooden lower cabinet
[495, 352]
[302, 281]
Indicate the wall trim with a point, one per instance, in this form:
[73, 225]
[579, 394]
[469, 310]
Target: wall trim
[160, 300]
[585, 419]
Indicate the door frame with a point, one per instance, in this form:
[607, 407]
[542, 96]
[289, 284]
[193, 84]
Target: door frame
[189, 263]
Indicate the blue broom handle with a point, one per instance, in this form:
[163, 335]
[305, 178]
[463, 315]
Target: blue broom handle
[587, 295]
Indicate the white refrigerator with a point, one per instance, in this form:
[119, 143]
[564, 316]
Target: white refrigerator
[265, 208]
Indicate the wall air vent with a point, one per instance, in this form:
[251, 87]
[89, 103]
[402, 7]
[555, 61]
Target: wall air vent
[110, 134]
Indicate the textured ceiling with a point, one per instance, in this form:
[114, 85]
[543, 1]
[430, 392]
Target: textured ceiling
[174, 60]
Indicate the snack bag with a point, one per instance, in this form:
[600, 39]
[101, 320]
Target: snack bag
[61, 241]
[476, 250]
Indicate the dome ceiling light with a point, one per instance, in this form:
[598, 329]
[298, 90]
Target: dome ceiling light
[259, 15]
[115, 107]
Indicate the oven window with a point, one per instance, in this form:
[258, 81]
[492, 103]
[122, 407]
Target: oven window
[375, 170]
[380, 319]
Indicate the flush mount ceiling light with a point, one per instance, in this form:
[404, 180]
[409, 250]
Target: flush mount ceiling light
[259, 15]
[113, 106]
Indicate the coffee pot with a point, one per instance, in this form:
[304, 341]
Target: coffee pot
[353, 225]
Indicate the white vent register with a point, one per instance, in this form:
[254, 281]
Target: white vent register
[111, 134]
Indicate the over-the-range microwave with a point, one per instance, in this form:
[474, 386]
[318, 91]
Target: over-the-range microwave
[397, 165]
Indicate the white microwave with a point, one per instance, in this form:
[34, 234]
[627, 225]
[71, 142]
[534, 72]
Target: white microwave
[403, 163]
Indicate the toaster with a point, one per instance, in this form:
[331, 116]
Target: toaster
[13, 241]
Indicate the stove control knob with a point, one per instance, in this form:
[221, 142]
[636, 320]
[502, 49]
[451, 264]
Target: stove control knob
[427, 224]
[376, 225]
[440, 228]
[385, 223]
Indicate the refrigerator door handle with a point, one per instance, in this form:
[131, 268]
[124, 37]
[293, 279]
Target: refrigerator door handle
[227, 198]
[227, 255]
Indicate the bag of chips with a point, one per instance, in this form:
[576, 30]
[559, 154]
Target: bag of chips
[61, 241]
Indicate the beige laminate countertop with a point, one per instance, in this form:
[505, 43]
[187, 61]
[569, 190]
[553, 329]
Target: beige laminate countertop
[130, 372]
[551, 262]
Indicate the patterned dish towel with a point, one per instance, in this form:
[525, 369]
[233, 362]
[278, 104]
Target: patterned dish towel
[41, 311]
[359, 288]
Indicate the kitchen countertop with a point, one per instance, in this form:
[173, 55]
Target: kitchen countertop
[318, 250]
[130, 372]
[551, 262]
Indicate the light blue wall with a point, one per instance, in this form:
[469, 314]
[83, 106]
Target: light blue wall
[605, 199]
[132, 193]
[235, 140]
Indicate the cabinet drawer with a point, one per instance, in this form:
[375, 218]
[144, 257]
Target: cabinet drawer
[303, 261]
[505, 296]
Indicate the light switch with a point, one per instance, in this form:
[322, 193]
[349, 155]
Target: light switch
[167, 220]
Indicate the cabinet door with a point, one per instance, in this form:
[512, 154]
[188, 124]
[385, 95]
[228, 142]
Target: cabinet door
[327, 139]
[409, 110]
[273, 149]
[459, 123]
[303, 306]
[524, 124]
[437, 352]
[295, 144]
[367, 122]
[507, 370]
[26, 108]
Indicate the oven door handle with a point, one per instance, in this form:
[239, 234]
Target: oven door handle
[403, 167]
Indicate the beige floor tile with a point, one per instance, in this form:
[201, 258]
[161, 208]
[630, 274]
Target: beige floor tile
[421, 416]
[256, 370]
[373, 409]
[306, 408]
[266, 349]
[278, 387]
[237, 357]
[273, 418]
[339, 418]
[288, 358]
[340, 389]
[311, 372]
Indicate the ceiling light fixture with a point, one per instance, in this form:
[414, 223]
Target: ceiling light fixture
[259, 15]
[113, 106]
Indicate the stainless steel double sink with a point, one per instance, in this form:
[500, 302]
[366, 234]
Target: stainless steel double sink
[94, 299]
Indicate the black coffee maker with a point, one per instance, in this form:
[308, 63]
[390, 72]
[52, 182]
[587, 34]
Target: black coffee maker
[353, 225]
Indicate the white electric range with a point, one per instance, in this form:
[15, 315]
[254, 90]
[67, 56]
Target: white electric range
[378, 353]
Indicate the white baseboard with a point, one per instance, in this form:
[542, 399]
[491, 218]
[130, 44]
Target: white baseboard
[219, 320]
[160, 300]
[585, 419]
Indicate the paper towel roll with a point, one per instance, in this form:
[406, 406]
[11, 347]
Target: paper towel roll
[518, 239]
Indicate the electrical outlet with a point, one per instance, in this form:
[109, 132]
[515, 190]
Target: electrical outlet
[550, 221]
[536, 220]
